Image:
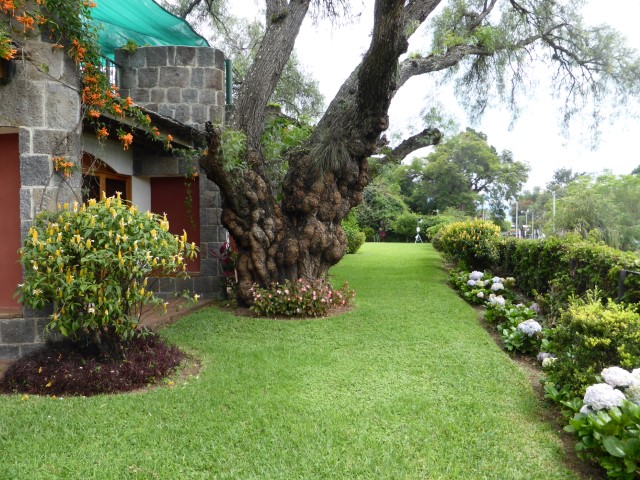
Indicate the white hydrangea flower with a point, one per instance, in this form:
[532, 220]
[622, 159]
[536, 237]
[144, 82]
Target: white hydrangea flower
[475, 275]
[535, 307]
[496, 280]
[633, 393]
[617, 377]
[471, 283]
[497, 287]
[542, 355]
[586, 409]
[603, 395]
[529, 327]
[636, 374]
[496, 300]
[480, 294]
[546, 362]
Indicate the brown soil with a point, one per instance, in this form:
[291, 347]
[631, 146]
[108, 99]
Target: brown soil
[231, 307]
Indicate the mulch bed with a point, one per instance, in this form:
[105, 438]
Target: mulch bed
[66, 368]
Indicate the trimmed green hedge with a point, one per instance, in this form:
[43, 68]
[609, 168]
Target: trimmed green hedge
[554, 269]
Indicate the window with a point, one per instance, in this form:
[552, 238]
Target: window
[99, 177]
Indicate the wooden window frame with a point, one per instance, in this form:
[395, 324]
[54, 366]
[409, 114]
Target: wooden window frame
[91, 166]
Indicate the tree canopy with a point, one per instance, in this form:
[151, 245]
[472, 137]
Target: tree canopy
[460, 173]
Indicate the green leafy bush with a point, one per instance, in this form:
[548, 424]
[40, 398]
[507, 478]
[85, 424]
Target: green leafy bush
[299, 298]
[91, 262]
[405, 226]
[471, 244]
[355, 237]
[588, 337]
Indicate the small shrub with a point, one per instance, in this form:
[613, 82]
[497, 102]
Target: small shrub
[471, 244]
[355, 237]
[589, 336]
[299, 298]
[91, 262]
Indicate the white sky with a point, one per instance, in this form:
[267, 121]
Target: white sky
[330, 53]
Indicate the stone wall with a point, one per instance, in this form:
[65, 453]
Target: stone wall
[43, 103]
[183, 83]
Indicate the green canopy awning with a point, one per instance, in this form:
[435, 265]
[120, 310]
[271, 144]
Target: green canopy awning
[142, 21]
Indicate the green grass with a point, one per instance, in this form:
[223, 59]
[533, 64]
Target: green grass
[405, 386]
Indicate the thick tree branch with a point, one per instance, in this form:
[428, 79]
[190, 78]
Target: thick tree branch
[426, 138]
[283, 25]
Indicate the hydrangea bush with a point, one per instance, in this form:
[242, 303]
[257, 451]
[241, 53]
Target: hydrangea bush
[608, 424]
[299, 299]
[91, 263]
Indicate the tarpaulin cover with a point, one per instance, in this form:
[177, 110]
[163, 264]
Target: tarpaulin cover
[142, 21]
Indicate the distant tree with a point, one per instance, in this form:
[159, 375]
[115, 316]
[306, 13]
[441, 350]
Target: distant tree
[605, 207]
[636, 171]
[460, 172]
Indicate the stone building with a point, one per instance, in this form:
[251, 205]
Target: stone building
[180, 87]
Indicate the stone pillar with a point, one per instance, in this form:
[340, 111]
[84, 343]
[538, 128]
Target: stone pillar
[182, 83]
[43, 104]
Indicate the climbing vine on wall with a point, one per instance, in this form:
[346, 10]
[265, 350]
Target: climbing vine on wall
[67, 24]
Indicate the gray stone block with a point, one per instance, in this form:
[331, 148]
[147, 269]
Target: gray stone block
[140, 95]
[156, 56]
[26, 212]
[214, 79]
[174, 95]
[31, 348]
[205, 57]
[208, 267]
[35, 170]
[183, 284]
[24, 140]
[199, 113]
[183, 113]
[190, 95]
[23, 104]
[147, 77]
[152, 107]
[137, 59]
[208, 97]
[128, 78]
[9, 352]
[216, 114]
[208, 233]
[203, 284]
[174, 77]
[167, 284]
[62, 107]
[32, 313]
[219, 59]
[158, 95]
[167, 110]
[18, 330]
[197, 77]
[49, 141]
[185, 56]
[222, 98]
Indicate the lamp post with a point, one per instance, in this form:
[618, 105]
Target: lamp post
[526, 222]
[517, 233]
[554, 211]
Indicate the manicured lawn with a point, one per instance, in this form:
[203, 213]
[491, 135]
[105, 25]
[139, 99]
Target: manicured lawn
[405, 386]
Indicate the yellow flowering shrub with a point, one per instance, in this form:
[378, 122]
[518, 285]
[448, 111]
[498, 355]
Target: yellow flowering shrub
[91, 262]
[472, 244]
